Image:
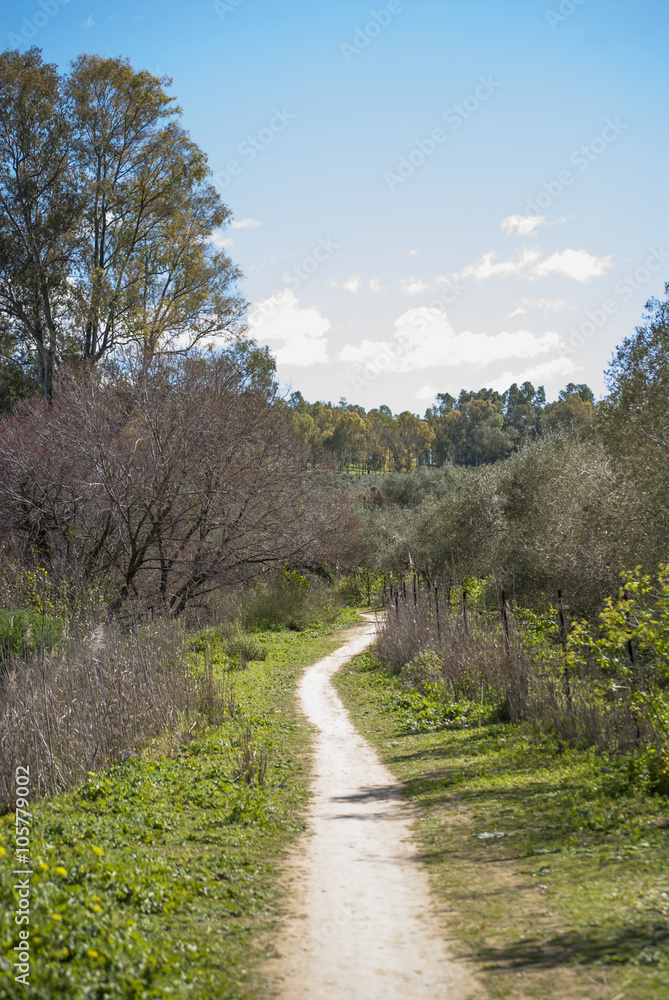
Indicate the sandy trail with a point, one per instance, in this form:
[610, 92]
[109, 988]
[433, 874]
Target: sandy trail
[362, 923]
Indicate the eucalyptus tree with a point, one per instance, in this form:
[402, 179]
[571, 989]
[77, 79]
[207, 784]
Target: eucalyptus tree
[107, 216]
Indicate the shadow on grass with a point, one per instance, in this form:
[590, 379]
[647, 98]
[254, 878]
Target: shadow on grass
[644, 945]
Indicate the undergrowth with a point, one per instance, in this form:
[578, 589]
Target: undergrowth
[154, 878]
[552, 857]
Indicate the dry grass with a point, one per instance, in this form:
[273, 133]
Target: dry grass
[481, 660]
[96, 699]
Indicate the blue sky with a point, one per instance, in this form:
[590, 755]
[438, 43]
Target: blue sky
[427, 195]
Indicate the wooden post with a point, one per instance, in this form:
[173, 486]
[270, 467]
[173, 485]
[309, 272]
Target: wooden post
[505, 622]
[630, 651]
[563, 642]
[415, 592]
[464, 611]
[436, 607]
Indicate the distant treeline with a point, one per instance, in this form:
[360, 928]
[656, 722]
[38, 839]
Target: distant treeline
[476, 428]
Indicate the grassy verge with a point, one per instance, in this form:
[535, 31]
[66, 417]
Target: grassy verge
[157, 877]
[551, 867]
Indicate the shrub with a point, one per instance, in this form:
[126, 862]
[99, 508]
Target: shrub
[287, 599]
[23, 632]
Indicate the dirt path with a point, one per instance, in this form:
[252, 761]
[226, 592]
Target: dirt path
[362, 925]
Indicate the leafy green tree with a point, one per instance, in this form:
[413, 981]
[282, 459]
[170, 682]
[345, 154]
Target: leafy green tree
[522, 409]
[106, 216]
[574, 410]
[634, 419]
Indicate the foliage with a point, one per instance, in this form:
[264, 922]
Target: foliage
[99, 178]
[474, 429]
[631, 649]
[24, 632]
[289, 599]
[554, 516]
[634, 420]
[511, 821]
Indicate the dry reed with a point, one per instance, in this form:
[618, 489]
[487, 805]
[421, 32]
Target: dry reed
[97, 699]
[483, 659]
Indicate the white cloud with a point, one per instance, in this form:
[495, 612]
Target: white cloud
[413, 286]
[548, 305]
[549, 373]
[376, 286]
[577, 264]
[245, 224]
[89, 22]
[426, 392]
[488, 267]
[220, 240]
[424, 338]
[523, 224]
[353, 284]
[297, 336]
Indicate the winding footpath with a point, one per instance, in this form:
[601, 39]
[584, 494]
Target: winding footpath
[362, 925]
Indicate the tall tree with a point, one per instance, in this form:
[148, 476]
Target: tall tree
[107, 216]
[40, 208]
[635, 417]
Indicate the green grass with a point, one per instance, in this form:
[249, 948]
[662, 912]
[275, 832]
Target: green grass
[158, 877]
[551, 862]
[23, 631]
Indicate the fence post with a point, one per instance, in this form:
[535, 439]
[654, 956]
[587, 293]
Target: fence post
[464, 611]
[505, 621]
[436, 607]
[630, 651]
[563, 641]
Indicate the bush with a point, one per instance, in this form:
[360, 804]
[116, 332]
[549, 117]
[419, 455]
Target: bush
[23, 632]
[596, 695]
[244, 649]
[287, 599]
